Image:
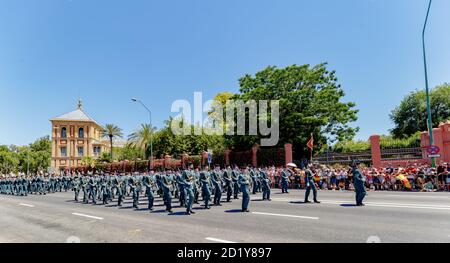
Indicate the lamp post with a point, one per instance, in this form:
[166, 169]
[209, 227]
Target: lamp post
[151, 129]
[427, 91]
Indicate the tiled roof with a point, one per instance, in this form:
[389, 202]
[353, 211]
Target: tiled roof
[76, 115]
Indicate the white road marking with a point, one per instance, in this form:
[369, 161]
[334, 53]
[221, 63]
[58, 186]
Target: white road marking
[88, 216]
[419, 196]
[27, 205]
[220, 240]
[283, 215]
[394, 205]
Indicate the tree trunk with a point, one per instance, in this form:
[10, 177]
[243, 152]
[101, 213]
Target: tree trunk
[111, 144]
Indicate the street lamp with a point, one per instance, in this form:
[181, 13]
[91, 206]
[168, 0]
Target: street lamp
[151, 129]
[430, 122]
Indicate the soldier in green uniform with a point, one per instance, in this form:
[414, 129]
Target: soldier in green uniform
[188, 182]
[236, 186]
[228, 183]
[167, 192]
[206, 188]
[244, 182]
[216, 178]
[76, 182]
[150, 187]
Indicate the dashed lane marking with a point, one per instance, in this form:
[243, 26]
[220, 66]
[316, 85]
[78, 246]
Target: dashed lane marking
[283, 215]
[27, 205]
[88, 216]
[219, 240]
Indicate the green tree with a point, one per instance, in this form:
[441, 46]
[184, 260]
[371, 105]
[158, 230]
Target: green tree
[111, 131]
[310, 102]
[411, 115]
[141, 139]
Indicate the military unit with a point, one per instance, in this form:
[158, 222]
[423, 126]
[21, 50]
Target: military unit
[41, 184]
[186, 185]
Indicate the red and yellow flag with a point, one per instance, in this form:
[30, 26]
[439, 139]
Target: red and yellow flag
[311, 142]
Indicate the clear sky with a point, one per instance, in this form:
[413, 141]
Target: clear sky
[107, 51]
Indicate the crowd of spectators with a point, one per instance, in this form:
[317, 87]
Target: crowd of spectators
[414, 177]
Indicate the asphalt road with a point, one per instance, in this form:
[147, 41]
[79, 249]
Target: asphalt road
[387, 217]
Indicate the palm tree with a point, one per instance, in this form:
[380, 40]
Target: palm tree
[110, 131]
[141, 139]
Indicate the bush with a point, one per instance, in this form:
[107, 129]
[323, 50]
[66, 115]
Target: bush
[352, 146]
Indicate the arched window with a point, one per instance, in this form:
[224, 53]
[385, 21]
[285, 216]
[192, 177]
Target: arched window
[64, 132]
[81, 133]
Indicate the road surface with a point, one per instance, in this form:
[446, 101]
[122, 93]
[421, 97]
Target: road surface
[387, 217]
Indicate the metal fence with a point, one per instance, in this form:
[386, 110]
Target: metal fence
[414, 153]
[331, 158]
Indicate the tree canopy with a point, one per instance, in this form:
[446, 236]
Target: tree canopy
[411, 115]
[311, 101]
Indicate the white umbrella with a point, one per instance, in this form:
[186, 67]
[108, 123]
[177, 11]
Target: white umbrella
[292, 165]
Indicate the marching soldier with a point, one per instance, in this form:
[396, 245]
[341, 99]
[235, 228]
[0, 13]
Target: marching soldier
[265, 181]
[244, 182]
[236, 187]
[359, 183]
[167, 192]
[76, 186]
[310, 184]
[285, 174]
[206, 189]
[188, 181]
[216, 178]
[149, 185]
[228, 183]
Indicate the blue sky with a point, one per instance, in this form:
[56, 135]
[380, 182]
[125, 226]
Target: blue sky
[107, 51]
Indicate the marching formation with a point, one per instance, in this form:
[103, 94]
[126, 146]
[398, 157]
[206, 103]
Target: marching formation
[185, 185]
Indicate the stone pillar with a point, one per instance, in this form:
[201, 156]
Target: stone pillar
[227, 157]
[184, 158]
[288, 153]
[376, 151]
[204, 158]
[167, 159]
[439, 142]
[446, 141]
[255, 156]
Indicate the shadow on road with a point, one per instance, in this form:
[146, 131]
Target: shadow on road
[234, 211]
[178, 214]
[348, 205]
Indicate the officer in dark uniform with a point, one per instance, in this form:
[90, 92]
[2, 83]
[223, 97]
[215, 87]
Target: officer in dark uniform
[285, 174]
[310, 184]
[359, 183]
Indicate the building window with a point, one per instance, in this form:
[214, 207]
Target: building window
[81, 133]
[97, 150]
[80, 151]
[64, 132]
[63, 151]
